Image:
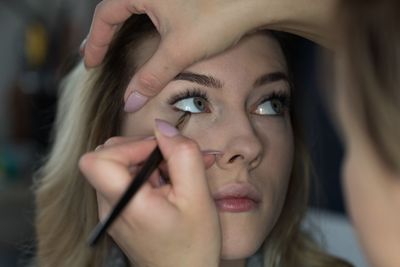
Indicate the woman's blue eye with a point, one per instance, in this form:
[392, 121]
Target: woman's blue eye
[192, 104]
[274, 107]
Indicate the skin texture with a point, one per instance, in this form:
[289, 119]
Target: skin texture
[256, 149]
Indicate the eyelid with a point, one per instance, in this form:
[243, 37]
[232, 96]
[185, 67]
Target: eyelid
[190, 92]
[279, 94]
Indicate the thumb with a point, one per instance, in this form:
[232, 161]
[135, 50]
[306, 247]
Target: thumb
[166, 63]
[185, 162]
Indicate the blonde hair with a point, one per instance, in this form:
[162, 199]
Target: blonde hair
[370, 37]
[90, 111]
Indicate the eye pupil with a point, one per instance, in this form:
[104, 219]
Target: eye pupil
[199, 103]
[277, 105]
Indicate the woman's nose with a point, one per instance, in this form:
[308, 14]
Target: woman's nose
[242, 146]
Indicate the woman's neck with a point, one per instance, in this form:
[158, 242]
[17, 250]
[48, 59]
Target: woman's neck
[232, 263]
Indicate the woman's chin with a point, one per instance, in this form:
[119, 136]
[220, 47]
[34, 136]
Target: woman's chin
[238, 250]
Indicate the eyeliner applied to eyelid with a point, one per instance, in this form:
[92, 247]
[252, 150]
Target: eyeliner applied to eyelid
[183, 120]
[195, 92]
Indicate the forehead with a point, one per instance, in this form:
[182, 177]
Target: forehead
[259, 52]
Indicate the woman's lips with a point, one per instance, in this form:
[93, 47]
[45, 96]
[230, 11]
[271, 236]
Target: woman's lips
[237, 197]
[235, 204]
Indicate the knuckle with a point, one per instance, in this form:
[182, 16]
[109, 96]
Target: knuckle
[188, 147]
[149, 83]
[86, 161]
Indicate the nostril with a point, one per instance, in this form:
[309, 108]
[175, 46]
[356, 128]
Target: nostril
[254, 163]
[232, 159]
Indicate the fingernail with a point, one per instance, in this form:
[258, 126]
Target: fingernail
[82, 48]
[98, 147]
[211, 152]
[166, 128]
[135, 102]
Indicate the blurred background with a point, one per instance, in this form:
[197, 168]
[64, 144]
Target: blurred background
[38, 36]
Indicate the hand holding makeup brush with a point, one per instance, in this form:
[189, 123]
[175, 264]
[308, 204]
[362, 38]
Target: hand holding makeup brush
[173, 224]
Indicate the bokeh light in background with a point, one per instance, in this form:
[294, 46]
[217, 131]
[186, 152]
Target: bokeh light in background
[37, 36]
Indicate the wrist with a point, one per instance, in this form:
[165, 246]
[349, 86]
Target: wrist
[311, 19]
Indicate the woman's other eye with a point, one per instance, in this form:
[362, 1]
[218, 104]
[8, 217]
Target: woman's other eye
[192, 104]
[274, 106]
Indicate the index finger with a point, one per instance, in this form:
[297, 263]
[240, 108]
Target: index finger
[108, 16]
[107, 169]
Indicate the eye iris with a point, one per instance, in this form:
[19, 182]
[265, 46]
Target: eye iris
[277, 105]
[199, 103]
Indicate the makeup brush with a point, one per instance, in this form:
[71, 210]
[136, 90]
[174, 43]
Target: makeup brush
[152, 162]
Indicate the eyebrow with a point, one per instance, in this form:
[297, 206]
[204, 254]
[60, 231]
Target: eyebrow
[270, 78]
[201, 79]
[210, 81]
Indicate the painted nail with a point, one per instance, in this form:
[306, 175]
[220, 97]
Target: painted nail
[166, 128]
[82, 48]
[135, 102]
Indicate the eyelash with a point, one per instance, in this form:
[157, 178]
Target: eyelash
[281, 95]
[187, 94]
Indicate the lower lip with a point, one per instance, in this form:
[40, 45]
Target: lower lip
[235, 204]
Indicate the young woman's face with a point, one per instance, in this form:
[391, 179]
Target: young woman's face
[240, 105]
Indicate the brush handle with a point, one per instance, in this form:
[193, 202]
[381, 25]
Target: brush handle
[143, 175]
